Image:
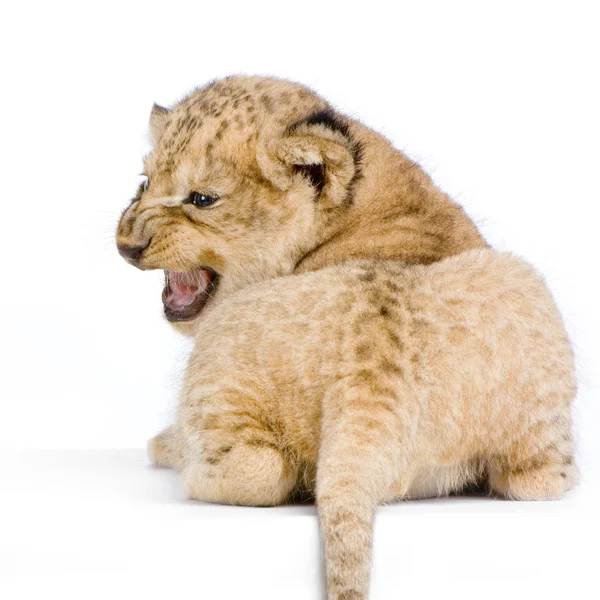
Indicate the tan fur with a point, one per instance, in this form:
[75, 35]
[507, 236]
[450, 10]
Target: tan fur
[363, 345]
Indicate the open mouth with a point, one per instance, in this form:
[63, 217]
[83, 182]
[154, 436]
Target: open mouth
[186, 294]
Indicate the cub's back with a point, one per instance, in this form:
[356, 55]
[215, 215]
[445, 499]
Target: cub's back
[483, 305]
[480, 287]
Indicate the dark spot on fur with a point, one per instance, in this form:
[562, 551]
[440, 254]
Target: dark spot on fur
[238, 121]
[363, 350]
[367, 276]
[391, 300]
[221, 130]
[267, 102]
[216, 457]
[366, 374]
[390, 367]
[262, 444]
[418, 324]
[394, 339]
[414, 209]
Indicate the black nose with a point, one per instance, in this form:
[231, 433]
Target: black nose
[131, 253]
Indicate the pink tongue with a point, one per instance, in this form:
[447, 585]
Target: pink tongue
[185, 287]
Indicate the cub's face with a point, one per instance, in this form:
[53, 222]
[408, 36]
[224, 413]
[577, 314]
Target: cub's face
[244, 177]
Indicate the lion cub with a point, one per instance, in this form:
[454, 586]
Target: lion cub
[354, 337]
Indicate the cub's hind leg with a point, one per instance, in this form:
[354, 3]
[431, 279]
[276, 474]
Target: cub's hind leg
[540, 464]
[233, 456]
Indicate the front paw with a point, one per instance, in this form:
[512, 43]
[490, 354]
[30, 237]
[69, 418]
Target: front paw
[163, 449]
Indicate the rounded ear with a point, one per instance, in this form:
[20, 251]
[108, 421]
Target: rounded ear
[319, 149]
[158, 122]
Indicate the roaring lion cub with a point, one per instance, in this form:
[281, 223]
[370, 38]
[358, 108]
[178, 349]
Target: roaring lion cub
[355, 339]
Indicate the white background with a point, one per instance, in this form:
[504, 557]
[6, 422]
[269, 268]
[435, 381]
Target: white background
[498, 101]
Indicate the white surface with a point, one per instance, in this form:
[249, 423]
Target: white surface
[103, 524]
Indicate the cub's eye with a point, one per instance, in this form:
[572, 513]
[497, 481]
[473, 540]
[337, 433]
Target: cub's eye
[198, 199]
[146, 183]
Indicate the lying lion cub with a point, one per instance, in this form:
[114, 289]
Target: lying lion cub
[355, 339]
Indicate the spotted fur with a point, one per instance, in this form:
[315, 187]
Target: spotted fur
[364, 345]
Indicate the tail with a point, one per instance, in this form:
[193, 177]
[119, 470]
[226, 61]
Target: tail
[359, 459]
[346, 513]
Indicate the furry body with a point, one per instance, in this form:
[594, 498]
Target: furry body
[357, 340]
[374, 381]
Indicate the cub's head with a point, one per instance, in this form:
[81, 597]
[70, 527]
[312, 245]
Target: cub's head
[246, 176]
